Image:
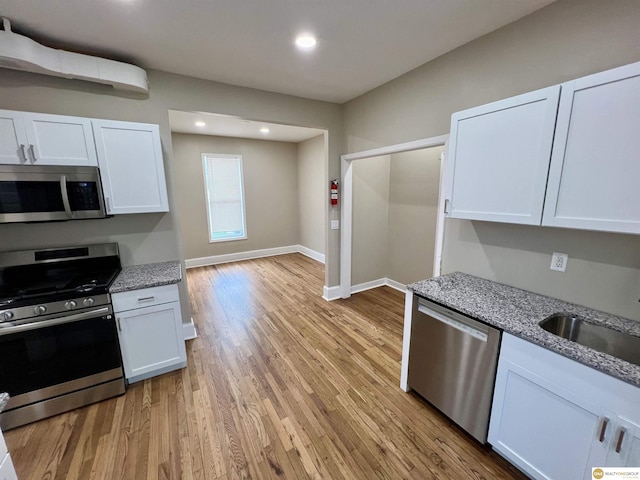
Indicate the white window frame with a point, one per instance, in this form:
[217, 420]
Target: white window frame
[205, 158]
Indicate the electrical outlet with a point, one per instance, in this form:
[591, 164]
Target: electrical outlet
[335, 224]
[559, 261]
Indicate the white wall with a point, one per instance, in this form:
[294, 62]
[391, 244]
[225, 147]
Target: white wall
[565, 40]
[313, 193]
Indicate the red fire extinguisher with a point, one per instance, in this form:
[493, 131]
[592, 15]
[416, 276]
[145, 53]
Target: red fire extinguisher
[334, 192]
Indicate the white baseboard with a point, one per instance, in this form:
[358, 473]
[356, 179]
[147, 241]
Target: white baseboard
[189, 330]
[311, 253]
[331, 293]
[380, 282]
[401, 287]
[361, 287]
[235, 257]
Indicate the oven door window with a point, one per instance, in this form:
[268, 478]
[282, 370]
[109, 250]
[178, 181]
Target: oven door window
[49, 356]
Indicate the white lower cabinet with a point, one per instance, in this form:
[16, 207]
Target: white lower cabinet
[625, 447]
[7, 472]
[150, 331]
[555, 418]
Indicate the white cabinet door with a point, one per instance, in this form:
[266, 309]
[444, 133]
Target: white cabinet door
[7, 472]
[3, 446]
[499, 158]
[13, 138]
[131, 167]
[151, 340]
[546, 431]
[42, 139]
[59, 140]
[624, 447]
[595, 171]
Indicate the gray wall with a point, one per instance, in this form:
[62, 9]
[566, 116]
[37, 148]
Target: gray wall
[271, 193]
[566, 40]
[369, 238]
[313, 193]
[395, 200]
[414, 185]
[154, 237]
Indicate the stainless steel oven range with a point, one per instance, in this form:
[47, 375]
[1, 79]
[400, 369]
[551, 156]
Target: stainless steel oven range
[59, 345]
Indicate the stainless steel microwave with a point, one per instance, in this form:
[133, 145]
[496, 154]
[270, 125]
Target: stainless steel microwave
[42, 193]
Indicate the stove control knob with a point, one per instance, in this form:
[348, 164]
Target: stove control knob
[88, 302]
[6, 316]
[70, 305]
[40, 310]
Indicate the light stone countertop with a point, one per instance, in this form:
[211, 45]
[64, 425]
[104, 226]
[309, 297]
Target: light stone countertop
[4, 399]
[146, 276]
[518, 312]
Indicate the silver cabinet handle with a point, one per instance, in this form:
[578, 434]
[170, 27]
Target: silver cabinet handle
[146, 299]
[447, 204]
[118, 322]
[621, 433]
[32, 149]
[107, 200]
[24, 153]
[603, 429]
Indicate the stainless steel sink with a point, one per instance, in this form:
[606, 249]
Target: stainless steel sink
[603, 339]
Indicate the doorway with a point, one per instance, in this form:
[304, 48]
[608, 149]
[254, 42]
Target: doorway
[390, 237]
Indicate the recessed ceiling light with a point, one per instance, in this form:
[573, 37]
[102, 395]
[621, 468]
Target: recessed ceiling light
[200, 124]
[264, 130]
[306, 41]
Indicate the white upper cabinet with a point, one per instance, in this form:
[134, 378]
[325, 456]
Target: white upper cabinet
[42, 139]
[131, 167]
[594, 179]
[13, 138]
[499, 155]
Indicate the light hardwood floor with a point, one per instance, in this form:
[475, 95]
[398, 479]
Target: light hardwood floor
[279, 384]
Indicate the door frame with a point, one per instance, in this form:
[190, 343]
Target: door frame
[346, 212]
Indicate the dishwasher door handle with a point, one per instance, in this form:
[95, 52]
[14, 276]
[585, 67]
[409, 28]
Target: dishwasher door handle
[458, 325]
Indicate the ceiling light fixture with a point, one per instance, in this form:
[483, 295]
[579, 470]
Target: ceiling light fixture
[200, 124]
[264, 130]
[306, 41]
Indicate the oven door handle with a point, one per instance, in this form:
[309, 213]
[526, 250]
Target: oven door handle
[8, 328]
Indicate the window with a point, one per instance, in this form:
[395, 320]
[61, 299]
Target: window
[225, 197]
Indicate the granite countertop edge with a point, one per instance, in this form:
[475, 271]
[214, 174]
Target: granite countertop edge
[148, 275]
[518, 312]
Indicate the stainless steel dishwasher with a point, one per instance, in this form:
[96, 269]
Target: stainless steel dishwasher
[452, 364]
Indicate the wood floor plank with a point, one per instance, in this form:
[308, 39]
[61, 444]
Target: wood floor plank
[279, 384]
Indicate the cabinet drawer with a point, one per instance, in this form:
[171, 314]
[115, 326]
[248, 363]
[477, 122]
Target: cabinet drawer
[146, 297]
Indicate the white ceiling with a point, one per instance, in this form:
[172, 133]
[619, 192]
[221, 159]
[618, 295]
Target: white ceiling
[229, 126]
[361, 43]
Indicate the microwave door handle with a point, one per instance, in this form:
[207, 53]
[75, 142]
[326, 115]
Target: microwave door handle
[65, 196]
